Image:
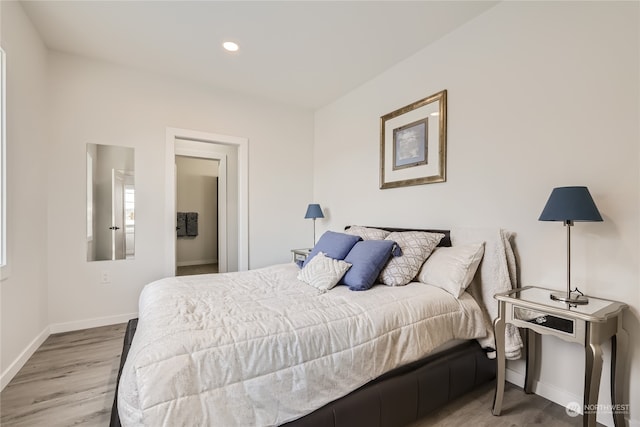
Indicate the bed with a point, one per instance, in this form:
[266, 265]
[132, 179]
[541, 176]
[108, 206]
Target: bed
[263, 348]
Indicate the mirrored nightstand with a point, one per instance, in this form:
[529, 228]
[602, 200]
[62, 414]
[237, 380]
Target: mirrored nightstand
[300, 255]
[589, 325]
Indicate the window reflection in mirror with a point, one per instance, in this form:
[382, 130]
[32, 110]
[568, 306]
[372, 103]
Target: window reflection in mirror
[110, 202]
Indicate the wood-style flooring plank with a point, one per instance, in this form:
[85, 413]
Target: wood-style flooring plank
[189, 270]
[69, 381]
[518, 410]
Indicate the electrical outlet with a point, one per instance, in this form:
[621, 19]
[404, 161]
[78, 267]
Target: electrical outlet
[105, 278]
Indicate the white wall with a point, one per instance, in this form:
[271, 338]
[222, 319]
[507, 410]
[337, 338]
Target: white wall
[197, 188]
[541, 94]
[100, 103]
[24, 319]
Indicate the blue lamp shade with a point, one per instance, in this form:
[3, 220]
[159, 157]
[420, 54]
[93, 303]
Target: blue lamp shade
[570, 204]
[314, 211]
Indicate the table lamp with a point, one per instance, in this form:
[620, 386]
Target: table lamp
[313, 212]
[569, 204]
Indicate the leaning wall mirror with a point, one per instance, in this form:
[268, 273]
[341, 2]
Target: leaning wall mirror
[110, 202]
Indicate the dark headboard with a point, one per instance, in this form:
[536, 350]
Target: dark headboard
[446, 240]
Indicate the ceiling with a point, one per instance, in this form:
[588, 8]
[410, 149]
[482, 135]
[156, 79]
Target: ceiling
[301, 53]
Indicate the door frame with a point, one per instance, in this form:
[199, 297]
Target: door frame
[242, 145]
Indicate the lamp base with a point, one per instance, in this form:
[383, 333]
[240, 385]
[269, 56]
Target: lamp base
[573, 298]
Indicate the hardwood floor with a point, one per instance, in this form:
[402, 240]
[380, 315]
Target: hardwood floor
[188, 270]
[70, 381]
[518, 409]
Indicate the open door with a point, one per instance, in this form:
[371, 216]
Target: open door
[121, 227]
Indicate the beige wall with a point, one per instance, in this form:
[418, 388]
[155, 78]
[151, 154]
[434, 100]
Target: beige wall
[541, 94]
[197, 188]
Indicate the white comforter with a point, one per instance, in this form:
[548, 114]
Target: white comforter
[261, 348]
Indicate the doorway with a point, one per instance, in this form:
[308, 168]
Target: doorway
[197, 201]
[232, 153]
[202, 151]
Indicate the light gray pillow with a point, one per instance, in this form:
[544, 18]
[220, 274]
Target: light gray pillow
[453, 268]
[367, 233]
[416, 247]
[323, 272]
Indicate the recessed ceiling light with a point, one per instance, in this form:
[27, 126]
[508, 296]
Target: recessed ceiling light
[231, 46]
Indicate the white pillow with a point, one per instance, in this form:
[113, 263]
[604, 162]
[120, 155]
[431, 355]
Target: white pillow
[323, 272]
[452, 268]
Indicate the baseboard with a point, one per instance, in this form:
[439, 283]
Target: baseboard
[514, 377]
[17, 364]
[196, 262]
[96, 322]
[560, 396]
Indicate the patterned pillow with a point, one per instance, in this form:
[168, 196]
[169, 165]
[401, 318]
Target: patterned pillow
[416, 247]
[367, 233]
[323, 272]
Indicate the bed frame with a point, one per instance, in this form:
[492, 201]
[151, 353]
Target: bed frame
[396, 398]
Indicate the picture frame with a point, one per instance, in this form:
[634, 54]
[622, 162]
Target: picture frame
[413, 143]
[410, 144]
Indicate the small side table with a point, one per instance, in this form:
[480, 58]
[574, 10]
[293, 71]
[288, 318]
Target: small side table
[590, 325]
[300, 255]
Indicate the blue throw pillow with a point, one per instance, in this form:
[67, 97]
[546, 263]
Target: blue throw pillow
[334, 245]
[367, 258]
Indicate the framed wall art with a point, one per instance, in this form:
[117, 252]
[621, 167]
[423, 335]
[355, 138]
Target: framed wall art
[413, 143]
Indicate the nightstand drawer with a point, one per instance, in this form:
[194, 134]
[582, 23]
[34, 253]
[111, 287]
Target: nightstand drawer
[545, 320]
[300, 257]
